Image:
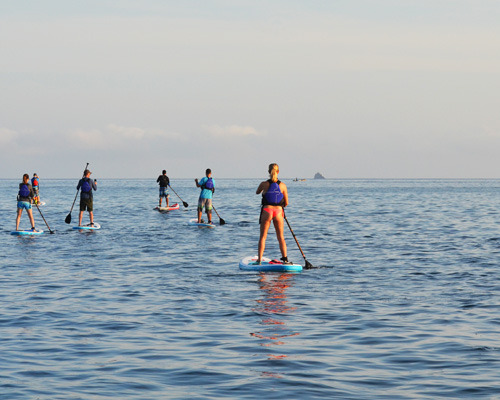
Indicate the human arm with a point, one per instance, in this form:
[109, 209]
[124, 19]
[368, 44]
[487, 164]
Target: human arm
[264, 186]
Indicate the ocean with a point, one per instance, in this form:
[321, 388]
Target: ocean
[404, 302]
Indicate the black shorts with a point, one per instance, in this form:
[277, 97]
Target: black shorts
[86, 204]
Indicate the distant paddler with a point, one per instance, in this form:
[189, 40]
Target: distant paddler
[207, 186]
[35, 184]
[164, 183]
[86, 197]
[24, 199]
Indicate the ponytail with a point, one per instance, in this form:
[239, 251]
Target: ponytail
[273, 172]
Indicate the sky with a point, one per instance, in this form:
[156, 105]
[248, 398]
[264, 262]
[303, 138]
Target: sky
[348, 88]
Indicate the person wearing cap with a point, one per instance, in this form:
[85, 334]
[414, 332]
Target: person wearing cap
[86, 198]
[35, 184]
[164, 183]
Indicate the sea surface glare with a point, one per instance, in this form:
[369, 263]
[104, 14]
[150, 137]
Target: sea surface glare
[405, 303]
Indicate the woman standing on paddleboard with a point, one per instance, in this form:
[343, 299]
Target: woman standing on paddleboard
[274, 200]
[24, 199]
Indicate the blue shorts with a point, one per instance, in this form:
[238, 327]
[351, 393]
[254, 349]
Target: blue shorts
[24, 204]
[164, 192]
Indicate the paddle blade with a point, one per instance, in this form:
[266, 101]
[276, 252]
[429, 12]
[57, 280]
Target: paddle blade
[68, 219]
[308, 265]
[185, 204]
[221, 221]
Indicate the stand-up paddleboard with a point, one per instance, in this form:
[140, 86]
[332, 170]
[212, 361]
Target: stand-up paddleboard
[39, 204]
[27, 232]
[194, 222]
[88, 227]
[169, 208]
[247, 264]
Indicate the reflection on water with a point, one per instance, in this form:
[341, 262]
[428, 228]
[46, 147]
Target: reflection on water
[274, 308]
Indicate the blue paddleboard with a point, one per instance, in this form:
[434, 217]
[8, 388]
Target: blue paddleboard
[268, 265]
[194, 222]
[27, 232]
[88, 227]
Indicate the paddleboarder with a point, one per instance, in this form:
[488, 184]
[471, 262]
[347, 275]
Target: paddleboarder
[164, 183]
[274, 200]
[24, 199]
[207, 186]
[35, 183]
[86, 197]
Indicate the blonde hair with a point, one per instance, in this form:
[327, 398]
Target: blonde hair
[274, 169]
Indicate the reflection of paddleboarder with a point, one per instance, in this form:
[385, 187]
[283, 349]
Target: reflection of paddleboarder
[273, 305]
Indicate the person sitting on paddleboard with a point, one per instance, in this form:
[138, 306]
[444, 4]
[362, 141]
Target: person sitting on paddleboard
[274, 200]
[164, 184]
[24, 199]
[35, 184]
[86, 197]
[207, 186]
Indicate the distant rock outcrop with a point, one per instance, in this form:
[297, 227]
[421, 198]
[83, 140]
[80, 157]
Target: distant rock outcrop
[318, 176]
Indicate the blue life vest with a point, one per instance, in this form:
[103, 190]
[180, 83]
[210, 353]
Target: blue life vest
[86, 186]
[209, 184]
[24, 190]
[273, 196]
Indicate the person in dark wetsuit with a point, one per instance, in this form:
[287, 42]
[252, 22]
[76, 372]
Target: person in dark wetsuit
[164, 184]
[24, 199]
[274, 200]
[86, 197]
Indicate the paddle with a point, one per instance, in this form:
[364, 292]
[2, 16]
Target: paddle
[68, 217]
[50, 230]
[221, 221]
[308, 264]
[183, 202]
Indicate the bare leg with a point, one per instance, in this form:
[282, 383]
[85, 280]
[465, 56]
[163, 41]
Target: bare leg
[32, 220]
[18, 218]
[209, 215]
[265, 223]
[199, 215]
[278, 226]
[80, 217]
[91, 216]
[166, 199]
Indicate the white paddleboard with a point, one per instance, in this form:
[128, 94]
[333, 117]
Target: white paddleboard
[88, 227]
[248, 264]
[40, 203]
[194, 222]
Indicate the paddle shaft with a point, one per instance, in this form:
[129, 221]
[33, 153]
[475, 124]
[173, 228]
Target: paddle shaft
[50, 230]
[308, 264]
[183, 202]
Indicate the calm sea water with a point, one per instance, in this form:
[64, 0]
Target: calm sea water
[405, 304]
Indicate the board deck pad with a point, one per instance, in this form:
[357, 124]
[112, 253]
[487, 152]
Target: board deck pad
[267, 264]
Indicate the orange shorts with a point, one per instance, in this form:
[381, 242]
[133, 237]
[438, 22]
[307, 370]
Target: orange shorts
[274, 212]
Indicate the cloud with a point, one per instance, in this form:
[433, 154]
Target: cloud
[7, 136]
[233, 131]
[118, 137]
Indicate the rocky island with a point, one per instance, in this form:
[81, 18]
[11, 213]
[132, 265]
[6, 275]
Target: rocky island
[318, 176]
